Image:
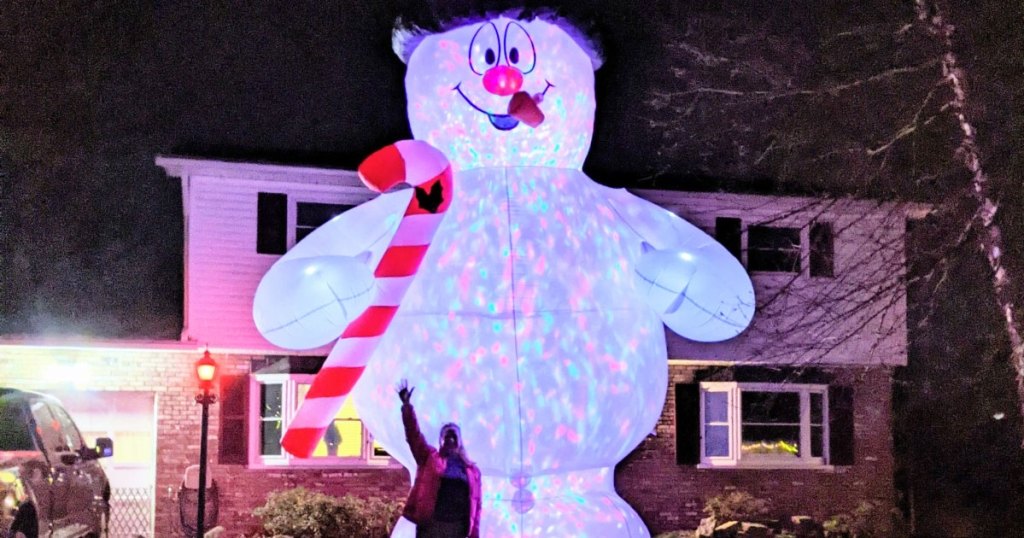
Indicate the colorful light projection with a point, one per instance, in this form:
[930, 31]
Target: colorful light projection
[535, 320]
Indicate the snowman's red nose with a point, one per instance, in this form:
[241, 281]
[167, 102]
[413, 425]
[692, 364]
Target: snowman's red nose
[503, 80]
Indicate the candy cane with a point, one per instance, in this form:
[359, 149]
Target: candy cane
[425, 168]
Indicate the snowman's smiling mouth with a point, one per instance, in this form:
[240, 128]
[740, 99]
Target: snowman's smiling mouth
[501, 122]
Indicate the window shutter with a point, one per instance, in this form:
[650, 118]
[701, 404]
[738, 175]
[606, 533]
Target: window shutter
[272, 223]
[822, 249]
[840, 423]
[728, 232]
[232, 448]
[688, 423]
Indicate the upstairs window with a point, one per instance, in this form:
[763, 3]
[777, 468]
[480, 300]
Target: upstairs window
[773, 249]
[808, 251]
[281, 221]
[311, 215]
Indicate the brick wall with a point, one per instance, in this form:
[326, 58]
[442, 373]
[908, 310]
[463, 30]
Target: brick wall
[241, 489]
[667, 496]
[670, 496]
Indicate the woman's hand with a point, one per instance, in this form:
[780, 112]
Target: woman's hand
[404, 392]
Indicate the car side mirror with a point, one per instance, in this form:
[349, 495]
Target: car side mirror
[104, 447]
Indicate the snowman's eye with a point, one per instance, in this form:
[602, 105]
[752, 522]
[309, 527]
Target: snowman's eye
[484, 49]
[520, 51]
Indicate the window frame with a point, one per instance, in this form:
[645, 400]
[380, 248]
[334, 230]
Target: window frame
[804, 249]
[291, 215]
[291, 237]
[735, 459]
[289, 394]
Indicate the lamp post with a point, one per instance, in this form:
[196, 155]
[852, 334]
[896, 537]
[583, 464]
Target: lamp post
[206, 371]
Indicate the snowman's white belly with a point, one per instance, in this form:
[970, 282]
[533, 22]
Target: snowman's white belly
[523, 326]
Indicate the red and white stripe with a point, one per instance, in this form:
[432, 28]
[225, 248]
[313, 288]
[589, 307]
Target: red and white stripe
[420, 165]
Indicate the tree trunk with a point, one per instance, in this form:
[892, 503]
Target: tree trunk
[990, 238]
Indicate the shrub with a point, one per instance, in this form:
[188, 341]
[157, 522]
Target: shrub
[736, 506]
[856, 524]
[300, 512]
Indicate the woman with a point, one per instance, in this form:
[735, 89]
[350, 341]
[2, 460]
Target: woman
[445, 497]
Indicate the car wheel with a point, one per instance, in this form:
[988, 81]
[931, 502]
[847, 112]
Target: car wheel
[103, 530]
[25, 524]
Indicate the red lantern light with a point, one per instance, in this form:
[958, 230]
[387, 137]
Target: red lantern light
[206, 371]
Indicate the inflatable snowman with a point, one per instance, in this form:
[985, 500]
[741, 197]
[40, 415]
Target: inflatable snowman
[522, 300]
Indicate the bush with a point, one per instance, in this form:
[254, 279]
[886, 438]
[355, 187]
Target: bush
[856, 524]
[736, 506]
[300, 512]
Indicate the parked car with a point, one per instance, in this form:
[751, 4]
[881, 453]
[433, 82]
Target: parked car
[51, 483]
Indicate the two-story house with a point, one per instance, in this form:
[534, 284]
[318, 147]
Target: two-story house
[797, 409]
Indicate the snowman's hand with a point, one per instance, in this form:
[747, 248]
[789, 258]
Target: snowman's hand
[702, 293]
[305, 303]
[662, 277]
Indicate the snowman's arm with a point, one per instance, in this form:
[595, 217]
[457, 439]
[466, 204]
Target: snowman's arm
[699, 289]
[312, 292]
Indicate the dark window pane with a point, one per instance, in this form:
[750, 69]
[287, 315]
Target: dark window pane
[270, 438]
[716, 407]
[773, 249]
[771, 440]
[72, 438]
[310, 216]
[272, 223]
[270, 401]
[770, 407]
[716, 441]
[817, 408]
[378, 451]
[47, 427]
[822, 257]
[728, 233]
[14, 432]
[817, 444]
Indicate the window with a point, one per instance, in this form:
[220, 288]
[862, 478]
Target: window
[773, 249]
[780, 249]
[763, 424]
[282, 221]
[310, 215]
[274, 401]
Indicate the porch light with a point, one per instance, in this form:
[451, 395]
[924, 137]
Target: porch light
[206, 372]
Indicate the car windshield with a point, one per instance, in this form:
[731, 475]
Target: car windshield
[14, 432]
